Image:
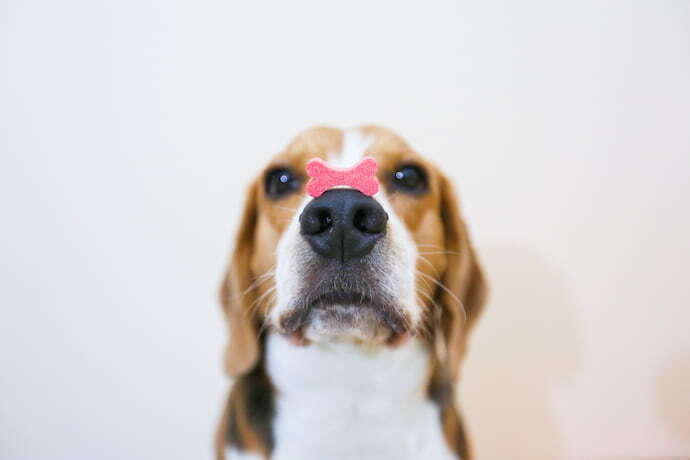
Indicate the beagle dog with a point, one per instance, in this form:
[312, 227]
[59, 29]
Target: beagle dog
[348, 314]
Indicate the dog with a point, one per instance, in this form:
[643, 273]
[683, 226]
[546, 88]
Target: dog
[348, 314]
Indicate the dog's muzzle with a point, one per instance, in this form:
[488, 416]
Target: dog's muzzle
[338, 273]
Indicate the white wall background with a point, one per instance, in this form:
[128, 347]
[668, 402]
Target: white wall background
[130, 128]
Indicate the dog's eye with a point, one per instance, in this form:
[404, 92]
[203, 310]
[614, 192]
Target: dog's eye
[410, 179]
[280, 182]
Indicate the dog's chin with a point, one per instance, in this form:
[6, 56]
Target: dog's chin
[339, 315]
[349, 323]
[346, 323]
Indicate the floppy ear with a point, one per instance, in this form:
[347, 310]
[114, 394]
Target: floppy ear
[236, 298]
[466, 289]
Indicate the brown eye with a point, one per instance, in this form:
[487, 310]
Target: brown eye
[280, 182]
[410, 179]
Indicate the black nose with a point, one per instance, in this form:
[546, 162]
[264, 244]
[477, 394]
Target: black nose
[343, 224]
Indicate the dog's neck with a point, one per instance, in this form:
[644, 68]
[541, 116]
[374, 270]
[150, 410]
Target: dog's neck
[347, 401]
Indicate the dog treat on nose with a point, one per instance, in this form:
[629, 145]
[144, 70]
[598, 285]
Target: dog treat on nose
[361, 176]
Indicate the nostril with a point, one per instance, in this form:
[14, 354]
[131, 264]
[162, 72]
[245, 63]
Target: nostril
[325, 220]
[316, 221]
[370, 220]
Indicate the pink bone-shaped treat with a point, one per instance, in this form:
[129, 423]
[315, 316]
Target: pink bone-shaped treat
[361, 176]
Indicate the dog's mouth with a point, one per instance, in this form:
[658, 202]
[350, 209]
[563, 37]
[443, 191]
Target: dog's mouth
[343, 297]
[345, 315]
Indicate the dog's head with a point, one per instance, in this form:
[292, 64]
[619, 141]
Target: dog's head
[348, 267]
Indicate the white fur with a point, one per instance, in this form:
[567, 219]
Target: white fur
[355, 144]
[351, 402]
[290, 252]
[401, 261]
[233, 454]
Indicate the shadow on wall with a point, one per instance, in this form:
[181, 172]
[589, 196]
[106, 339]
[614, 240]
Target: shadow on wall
[526, 344]
[673, 396]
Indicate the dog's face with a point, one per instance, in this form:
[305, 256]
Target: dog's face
[347, 267]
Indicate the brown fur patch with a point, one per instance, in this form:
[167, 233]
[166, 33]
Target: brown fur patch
[454, 432]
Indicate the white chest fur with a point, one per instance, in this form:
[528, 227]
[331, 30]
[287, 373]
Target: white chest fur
[343, 401]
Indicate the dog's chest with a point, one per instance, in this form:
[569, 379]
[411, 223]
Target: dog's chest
[345, 402]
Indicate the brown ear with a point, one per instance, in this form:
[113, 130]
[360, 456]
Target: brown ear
[236, 297]
[466, 289]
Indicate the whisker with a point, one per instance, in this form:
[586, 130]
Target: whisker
[267, 275]
[424, 259]
[448, 291]
[264, 326]
[427, 323]
[440, 252]
[429, 298]
[426, 284]
[256, 304]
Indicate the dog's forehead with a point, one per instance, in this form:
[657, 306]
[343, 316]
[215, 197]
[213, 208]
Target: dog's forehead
[345, 147]
[315, 142]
